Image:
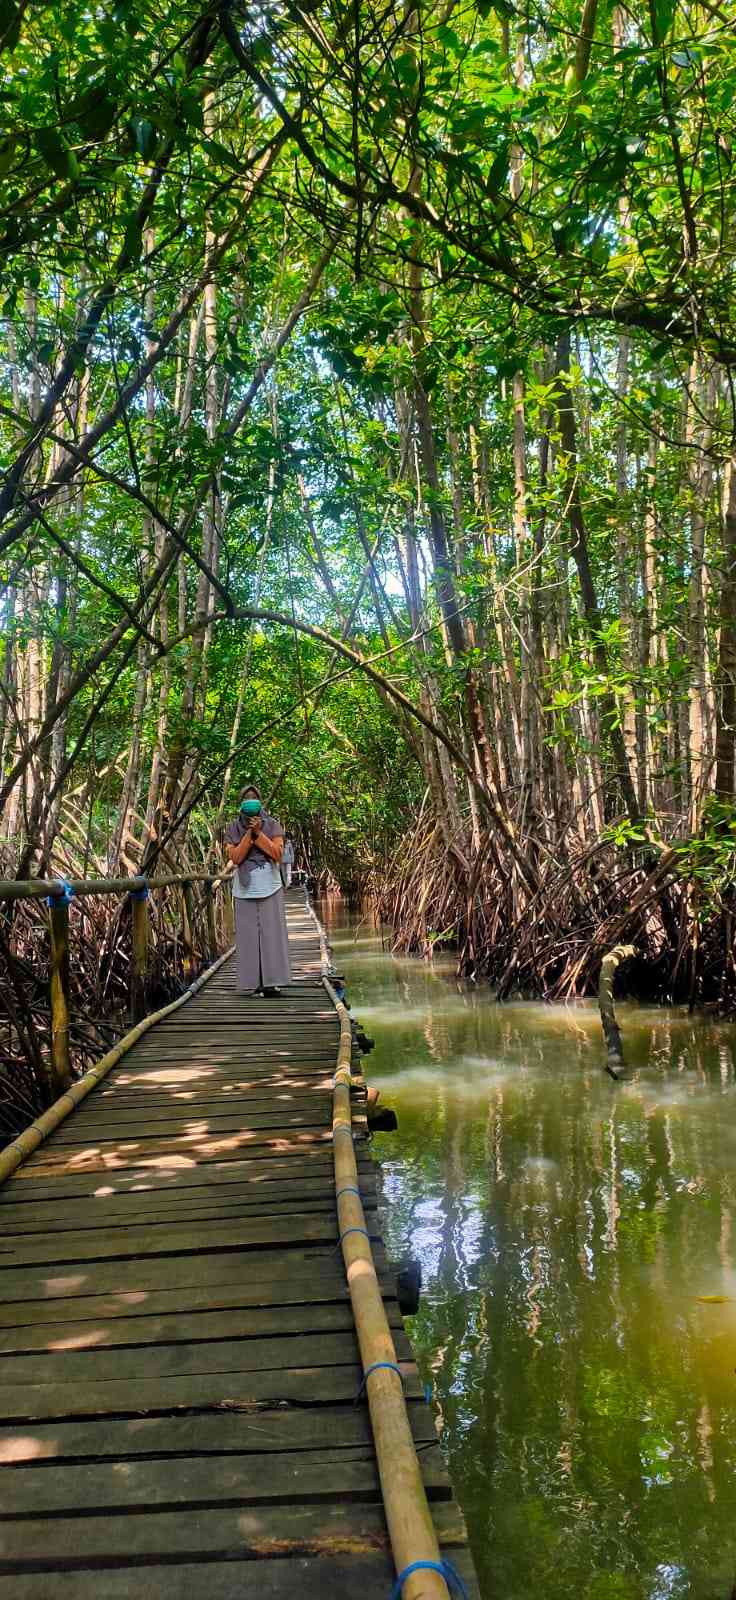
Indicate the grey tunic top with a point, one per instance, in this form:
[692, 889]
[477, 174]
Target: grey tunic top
[258, 876]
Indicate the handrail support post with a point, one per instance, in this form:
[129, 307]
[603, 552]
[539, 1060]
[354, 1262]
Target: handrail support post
[60, 1075]
[139, 957]
[228, 913]
[188, 929]
[209, 901]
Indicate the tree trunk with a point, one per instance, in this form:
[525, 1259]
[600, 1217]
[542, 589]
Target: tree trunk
[579, 552]
[701, 487]
[726, 666]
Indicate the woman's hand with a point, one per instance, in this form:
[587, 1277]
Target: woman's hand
[238, 852]
[272, 847]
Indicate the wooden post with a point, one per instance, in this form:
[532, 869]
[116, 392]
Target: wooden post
[139, 959]
[209, 904]
[61, 1069]
[187, 937]
[228, 912]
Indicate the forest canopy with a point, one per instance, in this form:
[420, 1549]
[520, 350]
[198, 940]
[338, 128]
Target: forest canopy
[368, 425]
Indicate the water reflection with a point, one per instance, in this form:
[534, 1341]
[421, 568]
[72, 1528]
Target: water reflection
[578, 1321]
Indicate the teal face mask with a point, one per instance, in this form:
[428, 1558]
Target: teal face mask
[251, 807]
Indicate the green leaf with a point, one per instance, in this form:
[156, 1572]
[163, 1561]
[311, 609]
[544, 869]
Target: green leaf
[133, 240]
[56, 153]
[662, 14]
[108, 33]
[97, 116]
[448, 37]
[8, 147]
[10, 24]
[125, 12]
[406, 68]
[220, 153]
[499, 170]
[191, 109]
[145, 137]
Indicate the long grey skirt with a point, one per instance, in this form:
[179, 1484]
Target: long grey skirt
[262, 945]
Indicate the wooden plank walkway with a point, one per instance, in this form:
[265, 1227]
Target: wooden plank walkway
[178, 1388]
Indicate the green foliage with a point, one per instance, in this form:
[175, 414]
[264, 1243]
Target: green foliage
[511, 199]
[708, 860]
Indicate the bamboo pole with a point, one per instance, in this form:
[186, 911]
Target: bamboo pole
[209, 906]
[16, 1153]
[228, 916]
[410, 1526]
[409, 1520]
[611, 1030]
[42, 888]
[187, 928]
[139, 958]
[61, 1068]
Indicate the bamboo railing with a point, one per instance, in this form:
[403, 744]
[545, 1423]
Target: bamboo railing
[421, 1572]
[59, 892]
[29, 1140]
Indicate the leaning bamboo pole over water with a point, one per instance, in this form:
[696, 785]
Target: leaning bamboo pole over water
[409, 1519]
[611, 1030]
[29, 1140]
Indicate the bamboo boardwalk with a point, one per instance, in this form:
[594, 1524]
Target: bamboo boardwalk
[178, 1411]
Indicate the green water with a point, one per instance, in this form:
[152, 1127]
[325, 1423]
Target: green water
[567, 1229]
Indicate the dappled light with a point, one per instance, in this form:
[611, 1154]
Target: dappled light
[81, 1341]
[60, 1287]
[25, 1448]
[367, 539]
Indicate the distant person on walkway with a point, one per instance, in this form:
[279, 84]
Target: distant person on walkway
[255, 843]
[287, 861]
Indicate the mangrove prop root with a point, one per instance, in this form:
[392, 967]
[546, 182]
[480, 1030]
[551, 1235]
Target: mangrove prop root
[550, 945]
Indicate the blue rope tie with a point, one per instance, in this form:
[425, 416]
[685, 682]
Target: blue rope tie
[342, 1127]
[143, 893]
[348, 1188]
[62, 897]
[446, 1570]
[344, 1235]
[376, 1366]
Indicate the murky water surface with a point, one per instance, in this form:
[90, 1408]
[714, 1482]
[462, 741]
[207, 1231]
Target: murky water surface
[577, 1240]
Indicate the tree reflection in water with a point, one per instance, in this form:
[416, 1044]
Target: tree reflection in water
[578, 1318]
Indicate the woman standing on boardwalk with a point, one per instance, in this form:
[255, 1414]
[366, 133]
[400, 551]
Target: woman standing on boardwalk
[255, 843]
